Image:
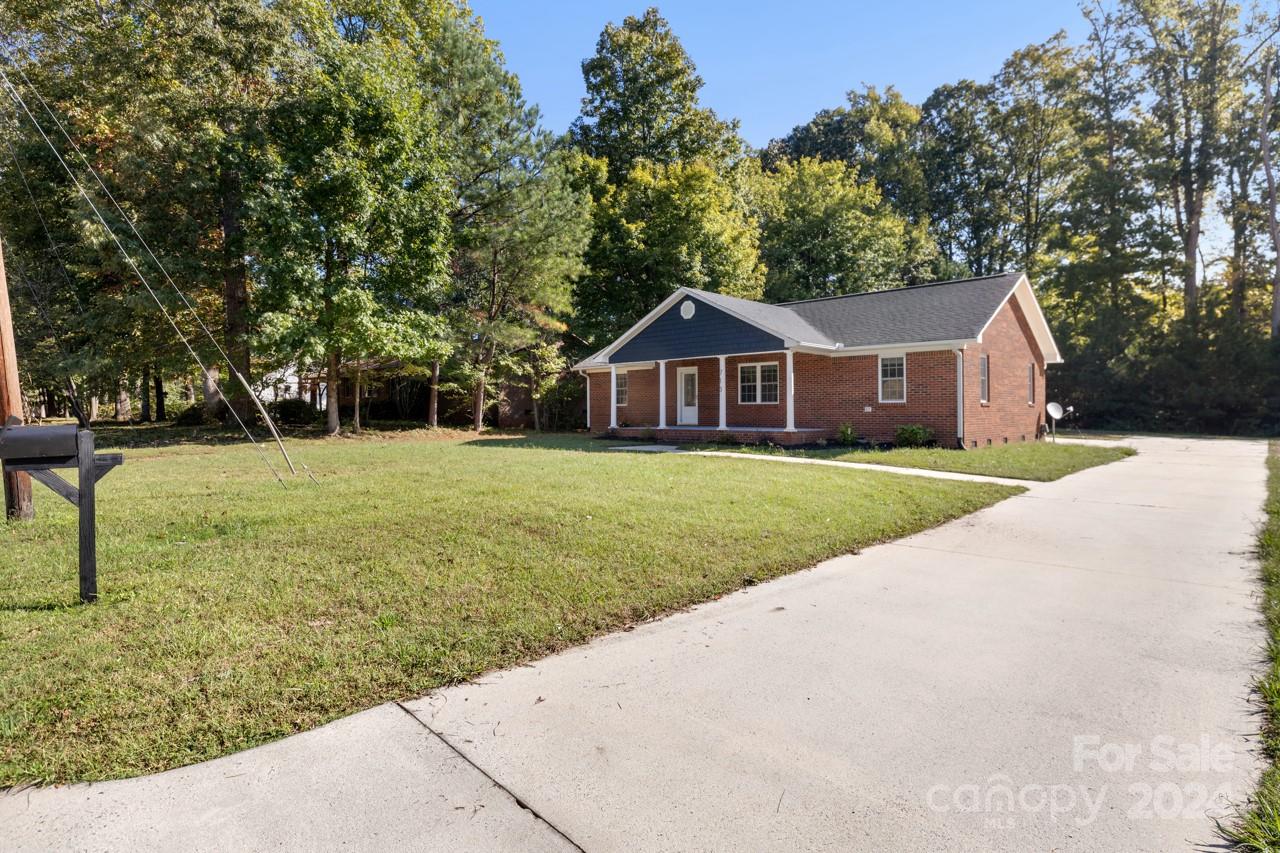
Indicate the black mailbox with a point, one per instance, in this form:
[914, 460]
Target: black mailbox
[38, 450]
[19, 444]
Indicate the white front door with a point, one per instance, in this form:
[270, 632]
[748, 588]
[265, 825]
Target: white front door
[687, 396]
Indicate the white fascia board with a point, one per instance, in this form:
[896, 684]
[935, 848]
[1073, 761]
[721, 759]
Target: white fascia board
[788, 342]
[642, 324]
[888, 349]
[1035, 318]
[602, 357]
[1039, 325]
[996, 312]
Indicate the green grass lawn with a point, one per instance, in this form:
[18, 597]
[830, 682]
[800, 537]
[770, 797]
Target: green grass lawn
[234, 611]
[1257, 827]
[1032, 461]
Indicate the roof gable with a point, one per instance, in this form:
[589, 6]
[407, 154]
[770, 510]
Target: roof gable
[709, 331]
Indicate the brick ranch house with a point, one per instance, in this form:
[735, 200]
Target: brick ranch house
[965, 358]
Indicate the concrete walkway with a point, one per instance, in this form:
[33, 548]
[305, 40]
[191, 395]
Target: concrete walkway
[834, 463]
[1066, 670]
[864, 466]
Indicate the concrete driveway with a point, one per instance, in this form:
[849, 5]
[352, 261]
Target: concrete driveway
[1067, 670]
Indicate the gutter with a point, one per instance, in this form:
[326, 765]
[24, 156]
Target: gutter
[871, 349]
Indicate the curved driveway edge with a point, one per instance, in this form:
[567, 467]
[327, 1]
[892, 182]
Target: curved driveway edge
[1068, 669]
[377, 780]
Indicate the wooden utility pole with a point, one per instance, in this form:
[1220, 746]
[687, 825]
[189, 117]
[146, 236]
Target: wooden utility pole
[17, 485]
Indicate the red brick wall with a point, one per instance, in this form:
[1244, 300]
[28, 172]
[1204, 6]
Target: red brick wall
[708, 390]
[642, 399]
[756, 414]
[1007, 417]
[831, 391]
[736, 414]
[598, 401]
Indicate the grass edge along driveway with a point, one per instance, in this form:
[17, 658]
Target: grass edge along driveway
[233, 613]
[1257, 825]
[1036, 461]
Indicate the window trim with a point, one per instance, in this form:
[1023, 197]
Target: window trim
[1031, 383]
[880, 377]
[759, 383]
[984, 378]
[622, 388]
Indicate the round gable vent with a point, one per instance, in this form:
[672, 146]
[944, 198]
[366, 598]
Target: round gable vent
[686, 309]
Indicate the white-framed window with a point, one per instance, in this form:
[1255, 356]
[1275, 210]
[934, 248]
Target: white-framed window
[620, 395]
[893, 379]
[984, 379]
[758, 383]
[1031, 384]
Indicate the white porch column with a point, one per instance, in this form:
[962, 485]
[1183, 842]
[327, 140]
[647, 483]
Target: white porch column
[587, 376]
[662, 395]
[613, 396]
[791, 393]
[723, 422]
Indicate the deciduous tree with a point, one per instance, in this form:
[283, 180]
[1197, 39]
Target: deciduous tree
[825, 233]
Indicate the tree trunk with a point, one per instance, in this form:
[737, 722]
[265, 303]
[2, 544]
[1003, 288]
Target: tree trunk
[160, 413]
[124, 406]
[1190, 280]
[477, 412]
[433, 396]
[146, 395]
[1268, 168]
[93, 408]
[332, 424]
[533, 401]
[212, 396]
[1238, 179]
[355, 419]
[235, 291]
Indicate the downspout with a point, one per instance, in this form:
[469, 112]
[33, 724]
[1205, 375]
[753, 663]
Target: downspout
[960, 397]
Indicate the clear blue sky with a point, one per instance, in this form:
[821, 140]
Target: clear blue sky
[773, 65]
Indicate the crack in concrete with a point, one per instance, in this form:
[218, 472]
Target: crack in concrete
[519, 801]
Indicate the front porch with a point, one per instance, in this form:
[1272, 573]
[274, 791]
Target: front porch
[739, 435]
[746, 396]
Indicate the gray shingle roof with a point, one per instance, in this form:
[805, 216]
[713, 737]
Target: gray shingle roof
[784, 322]
[955, 310]
[942, 311]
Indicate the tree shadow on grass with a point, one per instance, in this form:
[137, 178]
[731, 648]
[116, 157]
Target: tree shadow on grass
[570, 441]
[134, 436]
[144, 435]
[138, 436]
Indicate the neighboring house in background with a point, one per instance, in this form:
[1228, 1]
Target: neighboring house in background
[283, 384]
[965, 358]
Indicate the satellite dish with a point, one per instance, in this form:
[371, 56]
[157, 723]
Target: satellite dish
[1055, 412]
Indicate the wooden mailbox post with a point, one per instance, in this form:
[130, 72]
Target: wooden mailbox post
[38, 450]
